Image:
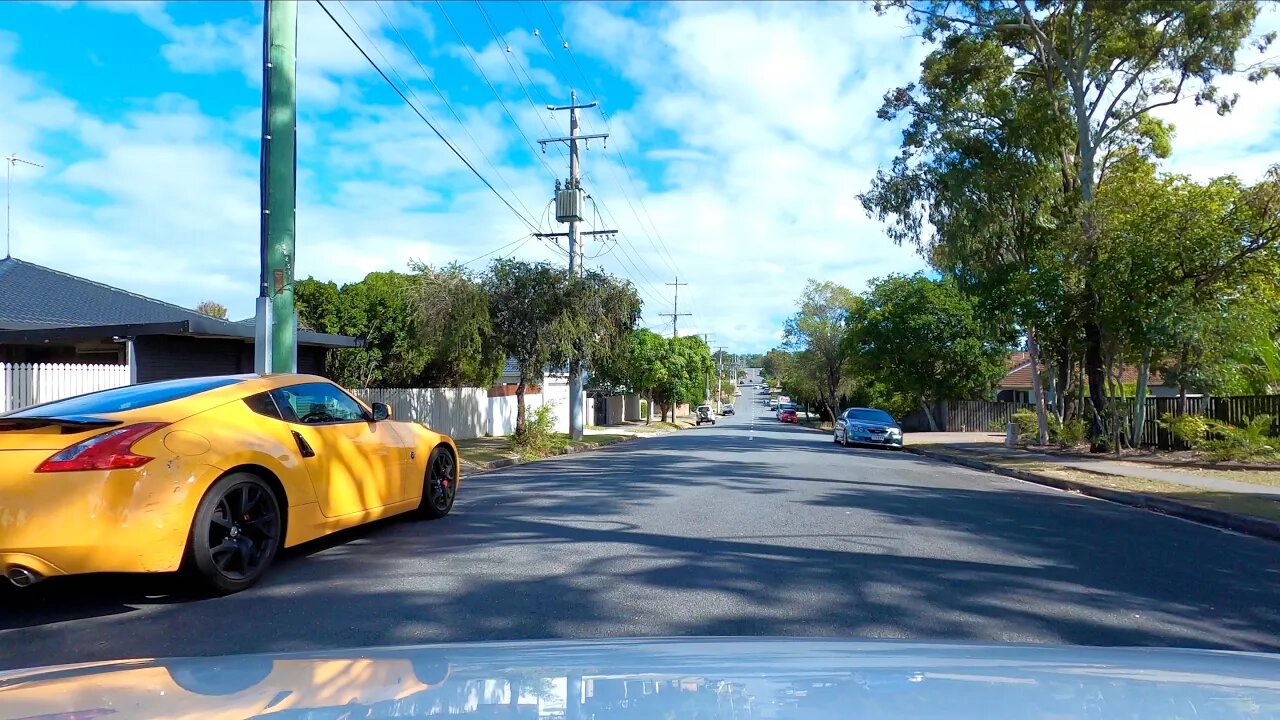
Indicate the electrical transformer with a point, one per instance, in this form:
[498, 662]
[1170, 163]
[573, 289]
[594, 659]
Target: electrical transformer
[570, 205]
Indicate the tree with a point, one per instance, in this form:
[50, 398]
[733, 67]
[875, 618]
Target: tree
[602, 311]
[818, 328]
[1187, 272]
[378, 309]
[922, 340]
[1102, 66]
[454, 327]
[977, 187]
[212, 309]
[529, 309]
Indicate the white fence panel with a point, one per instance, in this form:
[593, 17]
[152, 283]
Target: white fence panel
[461, 413]
[26, 384]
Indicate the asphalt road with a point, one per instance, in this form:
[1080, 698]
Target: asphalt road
[744, 528]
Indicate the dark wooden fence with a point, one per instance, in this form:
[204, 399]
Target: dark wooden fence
[980, 415]
[1236, 410]
[983, 415]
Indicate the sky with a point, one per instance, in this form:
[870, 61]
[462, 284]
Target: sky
[740, 135]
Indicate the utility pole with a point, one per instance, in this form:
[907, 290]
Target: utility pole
[570, 208]
[675, 313]
[706, 377]
[276, 334]
[10, 162]
[720, 377]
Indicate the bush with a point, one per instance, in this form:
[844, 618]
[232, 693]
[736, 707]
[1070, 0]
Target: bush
[1192, 430]
[644, 408]
[539, 438]
[1028, 425]
[1070, 433]
[1252, 441]
[1222, 441]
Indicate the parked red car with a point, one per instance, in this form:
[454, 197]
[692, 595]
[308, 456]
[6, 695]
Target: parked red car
[789, 415]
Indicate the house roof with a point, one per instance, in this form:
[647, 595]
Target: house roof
[1018, 374]
[41, 304]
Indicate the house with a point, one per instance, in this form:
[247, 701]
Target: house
[1015, 386]
[47, 316]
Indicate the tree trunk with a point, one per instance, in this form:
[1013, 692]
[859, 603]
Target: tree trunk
[520, 413]
[1064, 383]
[648, 415]
[1095, 376]
[1037, 389]
[1140, 399]
[928, 416]
[1182, 382]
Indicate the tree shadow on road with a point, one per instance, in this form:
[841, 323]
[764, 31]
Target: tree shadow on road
[570, 548]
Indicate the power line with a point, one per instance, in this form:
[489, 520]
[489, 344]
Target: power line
[595, 96]
[496, 95]
[424, 119]
[543, 40]
[445, 100]
[522, 240]
[640, 199]
[504, 45]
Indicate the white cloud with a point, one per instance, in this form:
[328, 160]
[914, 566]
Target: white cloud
[1244, 142]
[774, 110]
[748, 130]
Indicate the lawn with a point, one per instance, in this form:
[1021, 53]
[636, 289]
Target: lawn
[479, 451]
[1234, 503]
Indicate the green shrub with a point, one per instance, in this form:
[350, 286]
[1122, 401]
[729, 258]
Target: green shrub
[1252, 441]
[539, 438]
[1193, 430]
[1028, 425]
[644, 408]
[1070, 433]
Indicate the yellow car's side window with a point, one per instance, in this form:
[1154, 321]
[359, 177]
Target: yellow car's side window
[319, 403]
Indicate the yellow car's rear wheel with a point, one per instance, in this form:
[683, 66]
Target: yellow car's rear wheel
[236, 533]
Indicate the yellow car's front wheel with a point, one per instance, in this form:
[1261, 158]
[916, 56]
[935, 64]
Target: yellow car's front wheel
[441, 484]
[236, 533]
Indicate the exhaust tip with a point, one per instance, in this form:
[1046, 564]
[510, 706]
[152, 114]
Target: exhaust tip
[22, 577]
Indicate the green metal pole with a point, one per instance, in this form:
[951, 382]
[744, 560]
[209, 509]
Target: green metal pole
[280, 179]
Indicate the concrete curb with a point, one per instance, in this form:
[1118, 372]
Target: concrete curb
[469, 469]
[1257, 527]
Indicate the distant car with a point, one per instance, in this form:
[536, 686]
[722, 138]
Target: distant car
[867, 426]
[726, 410]
[781, 407]
[706, 415]
[788, 415]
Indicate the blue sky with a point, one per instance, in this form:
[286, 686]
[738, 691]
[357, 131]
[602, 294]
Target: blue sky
[740, 134]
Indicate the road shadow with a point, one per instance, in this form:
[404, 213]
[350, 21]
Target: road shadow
[864, 543]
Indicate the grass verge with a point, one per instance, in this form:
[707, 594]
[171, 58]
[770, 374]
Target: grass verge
[1233, 503]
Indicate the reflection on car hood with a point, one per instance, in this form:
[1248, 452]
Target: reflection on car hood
[678, 678]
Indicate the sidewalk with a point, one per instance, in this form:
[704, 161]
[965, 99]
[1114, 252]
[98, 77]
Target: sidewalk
[1204, 496]
[992, 443]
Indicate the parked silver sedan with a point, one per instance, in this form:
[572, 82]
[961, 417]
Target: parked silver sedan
[867, 426]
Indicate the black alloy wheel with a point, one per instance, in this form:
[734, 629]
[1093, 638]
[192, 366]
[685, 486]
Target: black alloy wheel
[236, 533]
[441, 484]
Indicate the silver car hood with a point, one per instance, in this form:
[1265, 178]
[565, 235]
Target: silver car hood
[667, 678]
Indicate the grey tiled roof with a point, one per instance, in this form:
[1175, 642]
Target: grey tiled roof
[36, 301]
[34, 296]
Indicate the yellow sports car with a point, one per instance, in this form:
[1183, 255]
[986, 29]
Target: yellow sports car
[212, 475]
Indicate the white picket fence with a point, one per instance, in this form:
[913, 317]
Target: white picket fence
[25, 384]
